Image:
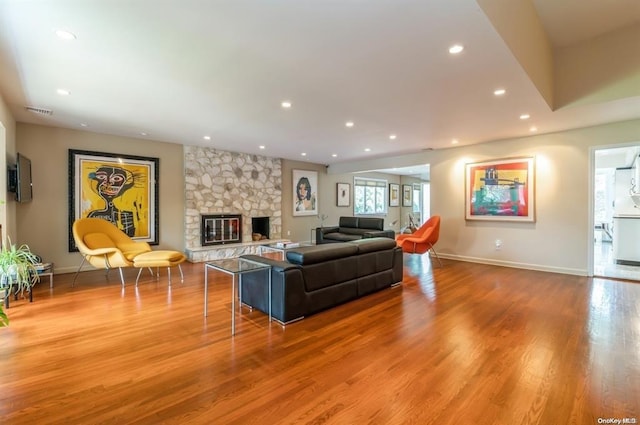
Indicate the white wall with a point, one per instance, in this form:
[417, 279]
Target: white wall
[559, 239]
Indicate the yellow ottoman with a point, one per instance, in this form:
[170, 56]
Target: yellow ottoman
[160, 258]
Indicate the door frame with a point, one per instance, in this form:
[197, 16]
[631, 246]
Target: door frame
[591, 199]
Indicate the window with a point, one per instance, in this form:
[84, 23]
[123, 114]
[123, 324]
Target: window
[370, 196]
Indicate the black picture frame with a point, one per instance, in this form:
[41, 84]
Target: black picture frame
[123, 189]
[343, 194]
[407, 195]
[394, 195]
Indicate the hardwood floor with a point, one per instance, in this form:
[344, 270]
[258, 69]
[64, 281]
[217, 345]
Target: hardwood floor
[465, 343]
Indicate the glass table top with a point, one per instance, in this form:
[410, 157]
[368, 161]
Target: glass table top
[236, 265]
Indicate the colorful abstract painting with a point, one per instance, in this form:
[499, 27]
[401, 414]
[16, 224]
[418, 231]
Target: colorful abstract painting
[500, 190]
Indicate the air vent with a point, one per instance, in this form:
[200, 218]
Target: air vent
[40, 111]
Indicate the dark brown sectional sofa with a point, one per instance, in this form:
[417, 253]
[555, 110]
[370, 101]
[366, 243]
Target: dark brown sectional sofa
[314, 278]
[353, 228]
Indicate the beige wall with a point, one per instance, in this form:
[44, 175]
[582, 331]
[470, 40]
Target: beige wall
[299, 228]
[559, 239]
[8, 145]
[43, 223]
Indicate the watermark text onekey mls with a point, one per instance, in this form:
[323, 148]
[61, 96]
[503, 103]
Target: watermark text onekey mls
[617, 421]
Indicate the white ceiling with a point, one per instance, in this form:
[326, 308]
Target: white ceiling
[180, 70]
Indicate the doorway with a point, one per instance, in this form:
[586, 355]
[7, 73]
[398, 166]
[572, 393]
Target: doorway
[616, 218]
[426, 201]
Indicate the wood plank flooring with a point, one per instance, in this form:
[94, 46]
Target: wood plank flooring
[462, 344]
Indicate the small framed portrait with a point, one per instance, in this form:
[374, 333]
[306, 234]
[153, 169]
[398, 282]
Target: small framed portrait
[305, 193]
[407, 195]
[343, 194]
[394, 195]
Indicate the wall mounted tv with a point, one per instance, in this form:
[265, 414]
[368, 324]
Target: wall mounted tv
[19, 179]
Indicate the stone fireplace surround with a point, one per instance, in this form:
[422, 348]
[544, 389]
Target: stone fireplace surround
[221, 182]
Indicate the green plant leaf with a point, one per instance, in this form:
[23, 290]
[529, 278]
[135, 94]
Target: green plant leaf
[17, 268]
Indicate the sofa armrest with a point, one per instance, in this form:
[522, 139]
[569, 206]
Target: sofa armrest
[321, 231]
[288, 290]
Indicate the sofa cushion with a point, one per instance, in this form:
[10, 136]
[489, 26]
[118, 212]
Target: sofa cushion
[320, 253]
[341, 237]
[348, 222]
[373, 244]
[380, 234]
[371, 223]
[330, 273]
[353, 231]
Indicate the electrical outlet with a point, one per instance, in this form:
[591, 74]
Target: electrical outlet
[498, 244]
[288, 232]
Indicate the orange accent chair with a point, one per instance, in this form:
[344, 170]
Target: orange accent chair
[105, 246]
[423, 239]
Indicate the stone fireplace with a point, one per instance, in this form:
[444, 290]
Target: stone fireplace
[219, 182]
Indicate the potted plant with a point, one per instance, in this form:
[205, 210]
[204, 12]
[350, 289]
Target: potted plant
[4, 320]
[17, 269]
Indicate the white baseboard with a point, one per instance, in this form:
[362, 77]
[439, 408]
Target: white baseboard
[527, 266]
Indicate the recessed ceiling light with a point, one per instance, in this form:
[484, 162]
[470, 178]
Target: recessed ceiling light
[392, 136]
[525, 116]
[334, 155]
[286, 104]
[303, 154]
[533, 129]
[65, 35]
[499, 92]
[206, 137]
[84, 125]
[349, 124]
[367, 150]
[142, 133]
[455, 49]
[63, 92]
[454, 142]
[261, 147]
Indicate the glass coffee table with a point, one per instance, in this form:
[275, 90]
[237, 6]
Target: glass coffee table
[236, 267]
[282, 248]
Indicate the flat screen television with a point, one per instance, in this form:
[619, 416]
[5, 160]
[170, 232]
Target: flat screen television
[19, 179]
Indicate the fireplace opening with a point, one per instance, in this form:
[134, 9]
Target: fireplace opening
[218, 229]
[259, 228]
